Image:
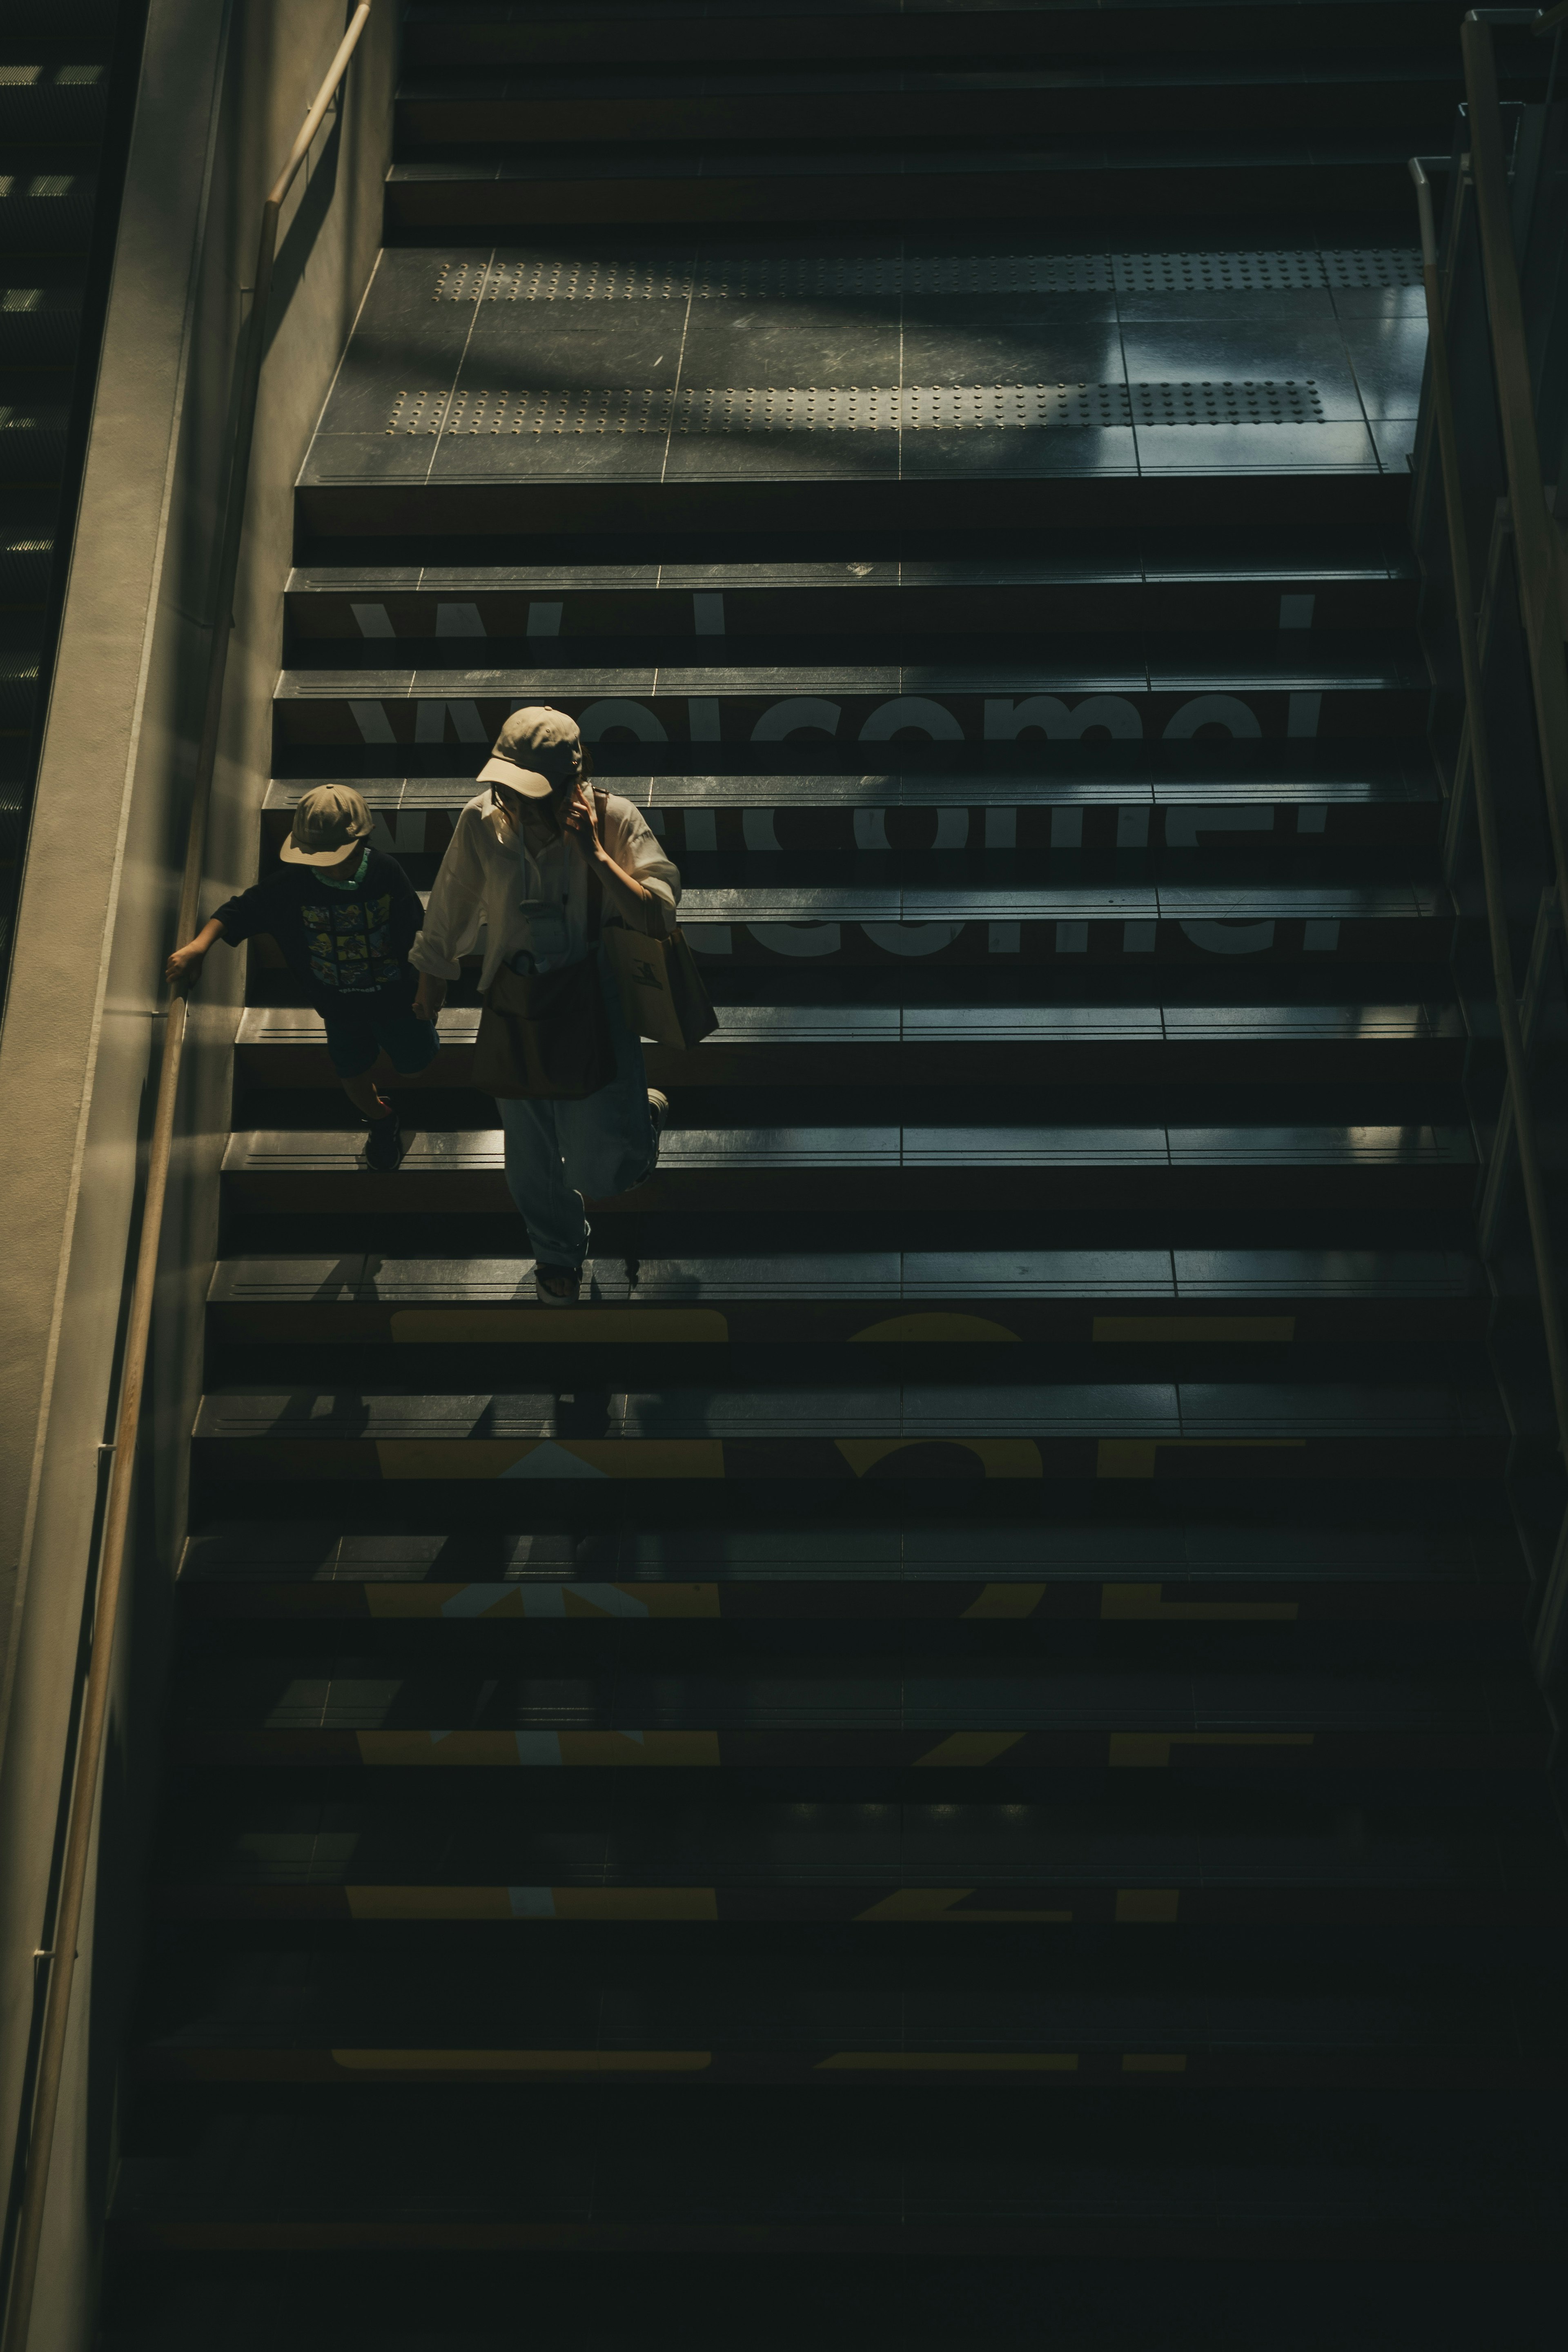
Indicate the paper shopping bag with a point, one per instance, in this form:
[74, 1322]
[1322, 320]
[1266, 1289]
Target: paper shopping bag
[662, 992]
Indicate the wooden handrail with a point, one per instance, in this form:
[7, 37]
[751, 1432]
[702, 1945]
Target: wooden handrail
[84, 1777]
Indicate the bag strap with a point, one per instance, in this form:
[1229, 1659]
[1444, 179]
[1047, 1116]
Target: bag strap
[595, 887]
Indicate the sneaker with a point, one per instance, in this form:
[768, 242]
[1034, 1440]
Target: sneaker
[658, 1112]
[384, 1143]
[568, 1280]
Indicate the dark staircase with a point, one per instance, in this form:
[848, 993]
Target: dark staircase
[1031, 1462]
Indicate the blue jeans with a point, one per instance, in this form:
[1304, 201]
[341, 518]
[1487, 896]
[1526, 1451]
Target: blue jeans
[601, 1144]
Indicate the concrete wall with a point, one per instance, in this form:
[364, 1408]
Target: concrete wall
[223, 92]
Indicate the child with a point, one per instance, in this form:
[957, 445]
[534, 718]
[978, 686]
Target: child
[344, 915]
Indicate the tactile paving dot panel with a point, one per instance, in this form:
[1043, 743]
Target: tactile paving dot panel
[734, 408]
[1267, 273]
[1398, 265]
[567, 277]
[1262, 402]
[886, 408]
[556, 276]
[625, 409]
[850, 408]
[761, 277]
[762, 408]
[1218, 273]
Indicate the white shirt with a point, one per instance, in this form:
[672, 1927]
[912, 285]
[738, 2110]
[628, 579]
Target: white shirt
[528, 890]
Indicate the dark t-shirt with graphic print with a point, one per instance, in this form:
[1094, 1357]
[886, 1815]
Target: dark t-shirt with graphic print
[349, 946]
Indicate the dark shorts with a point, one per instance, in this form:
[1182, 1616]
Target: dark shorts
[354, 1040]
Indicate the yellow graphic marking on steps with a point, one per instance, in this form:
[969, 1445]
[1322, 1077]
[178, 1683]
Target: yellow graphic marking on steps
[523, 2061]
[496, 1457]
[1134, 1457]
[656, 1599]
[1007, 1601]
[1147, 1600]
[1124, 1457]
[463, 1327]
[637, 1903]
[1000, 1457]
[1153, 2063]
[1142, 1750]
[937, 1903]
[971, 1748]
[1144, 1906]
[681, 1749]
[923, 1329]
[949, 2062]
[1235, 1329]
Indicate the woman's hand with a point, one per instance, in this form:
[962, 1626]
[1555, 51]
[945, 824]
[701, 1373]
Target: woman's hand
[581, 824]
[429, 996]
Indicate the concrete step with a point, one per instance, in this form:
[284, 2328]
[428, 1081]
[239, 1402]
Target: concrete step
[1293, 690]
[1083, 582]
[1162, 1573]
[1339, 175]
[361, 482]
[829, 1439]
[1184, 923]
[439, 37]
[348, 1713]
[320, 2015]
[369, 2175]
[1153, 1849]
[963, 1046]
[838, 1170]
[957, 1300]
[814, 109]
[1105, 796]
[775, 2035]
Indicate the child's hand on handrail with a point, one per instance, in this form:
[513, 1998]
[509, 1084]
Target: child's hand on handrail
[184, 969]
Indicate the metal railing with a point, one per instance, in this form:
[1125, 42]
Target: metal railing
[1534, 554]
[1486, 824]
[1527, 528]
[61, 1958]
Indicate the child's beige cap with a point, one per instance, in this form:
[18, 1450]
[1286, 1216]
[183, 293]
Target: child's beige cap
[327, 824]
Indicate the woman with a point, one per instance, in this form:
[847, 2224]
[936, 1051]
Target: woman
[519, 864]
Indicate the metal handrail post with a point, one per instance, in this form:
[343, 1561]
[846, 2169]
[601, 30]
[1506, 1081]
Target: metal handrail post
[117, 1514]
[1486, 824]
[1540, 605]
[1499, 552]
[1455, 238]
[1537, 982]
